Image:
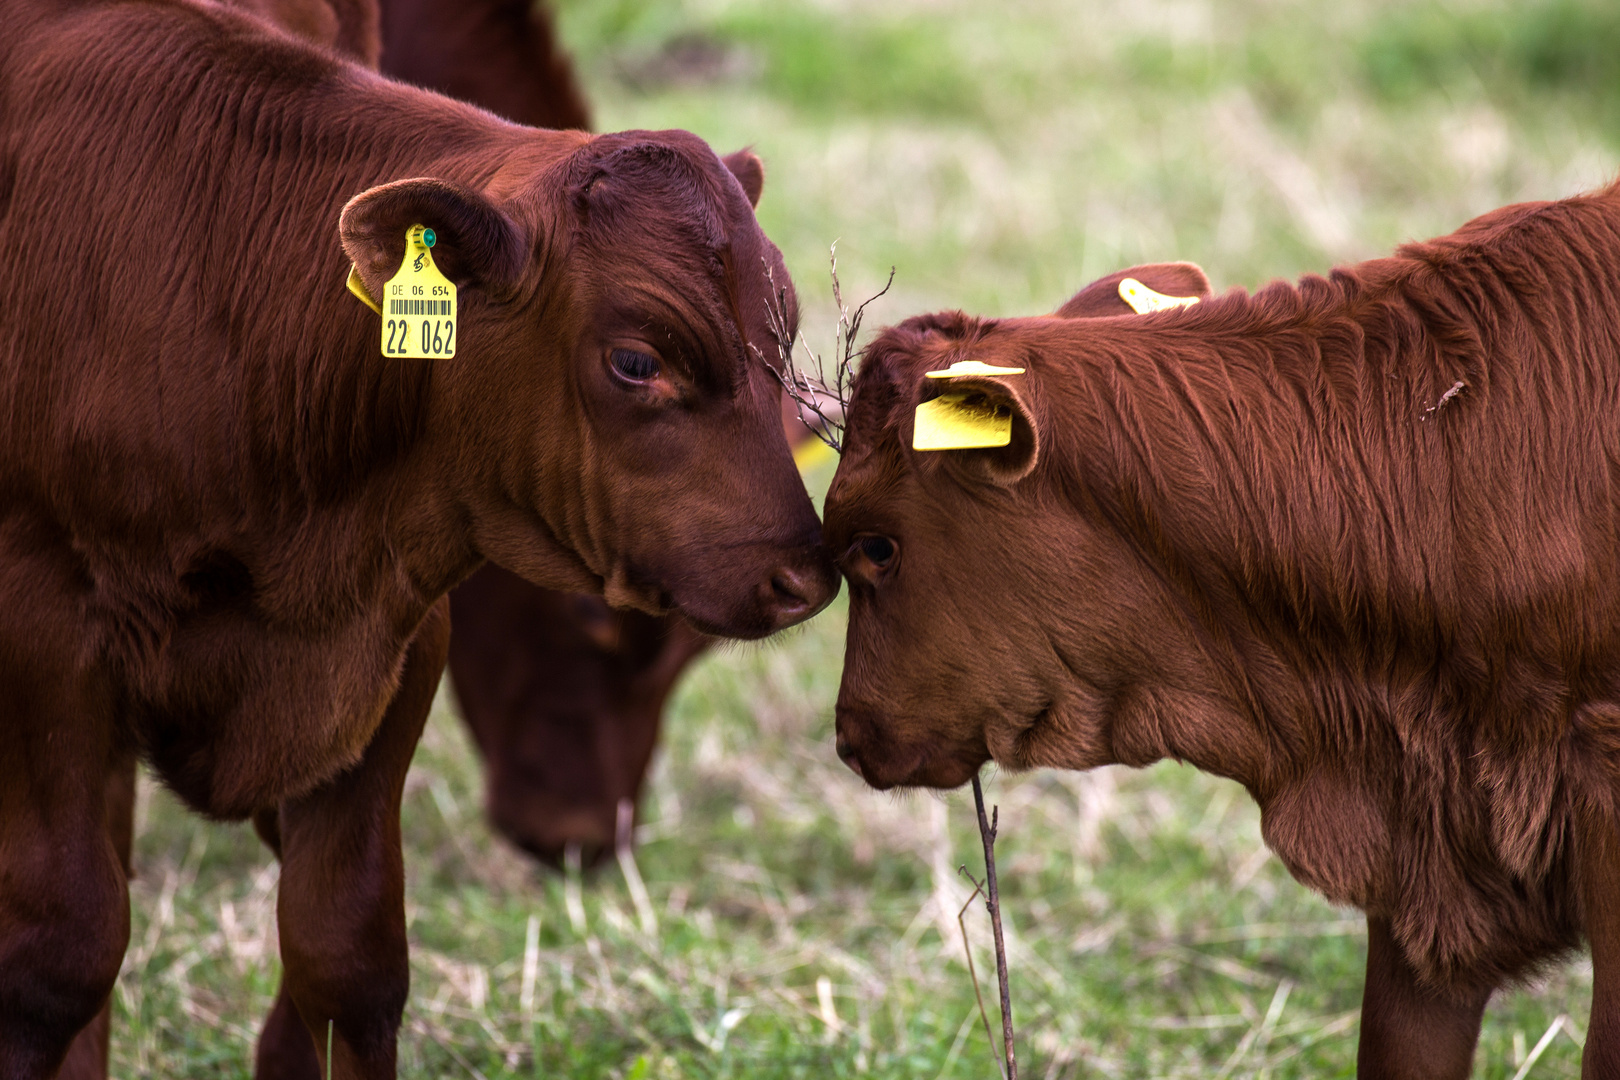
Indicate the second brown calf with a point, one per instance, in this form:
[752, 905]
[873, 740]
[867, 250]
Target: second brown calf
[1352, 544]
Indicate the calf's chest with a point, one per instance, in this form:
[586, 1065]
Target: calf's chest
[238, 710]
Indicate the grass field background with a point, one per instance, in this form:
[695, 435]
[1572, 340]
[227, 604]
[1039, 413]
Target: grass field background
[999, 155]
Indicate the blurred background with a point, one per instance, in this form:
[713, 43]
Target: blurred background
[999, 155]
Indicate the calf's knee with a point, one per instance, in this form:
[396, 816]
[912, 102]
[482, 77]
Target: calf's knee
[64, 925]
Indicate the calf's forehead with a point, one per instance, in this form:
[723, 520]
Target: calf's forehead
[664, 224]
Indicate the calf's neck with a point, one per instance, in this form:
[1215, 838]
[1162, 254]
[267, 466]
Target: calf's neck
[1351, 543]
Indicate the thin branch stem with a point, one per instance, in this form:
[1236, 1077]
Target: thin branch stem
[987, 833]
[821, 404]
[978, 890]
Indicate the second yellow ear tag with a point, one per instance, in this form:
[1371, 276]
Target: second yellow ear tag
[949, 422]
[419, 303]
[1143, 299]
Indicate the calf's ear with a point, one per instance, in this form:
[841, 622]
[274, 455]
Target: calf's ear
[1101, 297]
[999, 465]
[478, 245]
[750, 173]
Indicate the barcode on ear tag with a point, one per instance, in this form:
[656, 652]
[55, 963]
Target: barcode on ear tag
[962, 421]
[419, 303]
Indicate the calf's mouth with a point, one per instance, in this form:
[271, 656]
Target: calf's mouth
[752, 596]
[885, 763]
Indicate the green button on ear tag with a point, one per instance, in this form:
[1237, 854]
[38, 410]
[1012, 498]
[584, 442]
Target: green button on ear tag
[419, 303]
[949, 422]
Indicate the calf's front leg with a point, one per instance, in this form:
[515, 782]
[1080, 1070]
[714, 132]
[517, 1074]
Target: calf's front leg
[1408, 1031]
[64, 904]
[340, 907]
[87, 1057]
[1598, 867]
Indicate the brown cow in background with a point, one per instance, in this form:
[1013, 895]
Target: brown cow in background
[1354, 544]
[501, 55]
[227, 523]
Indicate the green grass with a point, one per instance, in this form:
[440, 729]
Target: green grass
[1000, 156]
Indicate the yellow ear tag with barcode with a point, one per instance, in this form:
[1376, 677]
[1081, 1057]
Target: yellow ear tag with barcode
[1143, 299]
[419, 303]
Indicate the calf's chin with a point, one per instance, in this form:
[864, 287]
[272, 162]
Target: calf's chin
[884, 762]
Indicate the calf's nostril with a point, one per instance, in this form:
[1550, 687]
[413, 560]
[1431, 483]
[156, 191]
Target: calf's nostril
[846, 753]
[796, 589]
[788, 591]
[797, 593]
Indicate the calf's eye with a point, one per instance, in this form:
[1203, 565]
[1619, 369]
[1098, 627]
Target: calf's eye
[879, 550]
[632, 365]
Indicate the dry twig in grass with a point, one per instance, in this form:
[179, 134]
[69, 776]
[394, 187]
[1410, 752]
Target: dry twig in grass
[821, 404]
[992, 902]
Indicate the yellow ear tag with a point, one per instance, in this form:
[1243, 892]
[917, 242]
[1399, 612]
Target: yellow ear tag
[950, 423]
[1143, 299]
[359, 289]
[809, 455]
[972, 367]
[419, 316]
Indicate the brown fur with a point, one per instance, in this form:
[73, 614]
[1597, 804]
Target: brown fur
[227, 521]
[348, 27]
[565, 697]
[501, 55]
[1266, 535]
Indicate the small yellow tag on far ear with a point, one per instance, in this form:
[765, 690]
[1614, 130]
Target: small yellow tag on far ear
[359, 289]
[1143, 299]
[972, 367]
[949, 423]
[419, 315]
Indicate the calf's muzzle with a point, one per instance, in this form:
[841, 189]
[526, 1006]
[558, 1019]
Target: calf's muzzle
[799, 588]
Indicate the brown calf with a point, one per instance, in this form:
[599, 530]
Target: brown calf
[1351, 543]
[564, 696]
[227, 522]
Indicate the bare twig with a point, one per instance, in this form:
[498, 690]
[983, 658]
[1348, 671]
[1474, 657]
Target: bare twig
[987, 833]
[978, 890]
[821, 403]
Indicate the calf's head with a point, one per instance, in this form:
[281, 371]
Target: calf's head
[607, 423]
[564, 697]
[993, 612]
